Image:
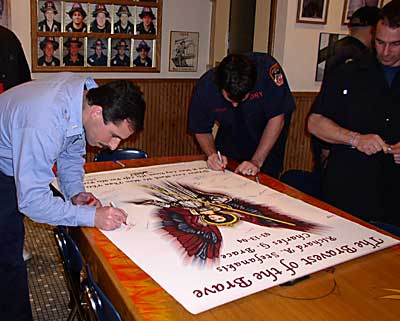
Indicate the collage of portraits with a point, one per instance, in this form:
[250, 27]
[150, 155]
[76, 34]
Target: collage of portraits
[112, 35]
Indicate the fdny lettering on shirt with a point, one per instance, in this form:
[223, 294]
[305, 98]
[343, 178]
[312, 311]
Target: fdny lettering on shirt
[276, 75]
[256, 95]
[252, 96]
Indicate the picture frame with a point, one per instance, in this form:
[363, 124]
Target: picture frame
[49, 53]
[143, 53]
[149, 18]
[5, 14]
[97, 52]
[121, 52]
[312, 11]
[326, 48]
[183, 51]
[75, 26]
[352, 5]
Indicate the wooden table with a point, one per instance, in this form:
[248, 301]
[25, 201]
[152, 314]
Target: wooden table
[367, 288]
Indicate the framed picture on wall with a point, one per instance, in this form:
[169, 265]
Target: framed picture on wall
[48, 53]
[312, 11]
[183, 51]
[352, 5]
[5, 13]
[143, 53]
[96, 35]
[327, 48]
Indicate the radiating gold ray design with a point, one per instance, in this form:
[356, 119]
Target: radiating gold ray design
[393, 296]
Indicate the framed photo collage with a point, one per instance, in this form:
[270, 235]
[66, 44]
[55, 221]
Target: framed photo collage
[96, 35]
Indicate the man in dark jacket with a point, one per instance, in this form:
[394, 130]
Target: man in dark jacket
[249, 97]
[14, 69]
[362, 26]
[146, 27]
[357, 112]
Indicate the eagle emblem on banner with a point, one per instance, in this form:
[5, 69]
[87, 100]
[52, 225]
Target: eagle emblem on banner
[194, 217]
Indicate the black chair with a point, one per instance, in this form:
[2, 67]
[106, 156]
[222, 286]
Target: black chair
[307, 182]
[120, 154]
[56, 192]
[72, 263]
[100, 307]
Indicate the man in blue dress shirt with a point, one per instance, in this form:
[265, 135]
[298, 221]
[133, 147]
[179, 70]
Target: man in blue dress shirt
[42, 123]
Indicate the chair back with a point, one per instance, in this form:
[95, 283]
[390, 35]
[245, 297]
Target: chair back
[72, 263]
[100, 307]
[305, 181]
[120, 154]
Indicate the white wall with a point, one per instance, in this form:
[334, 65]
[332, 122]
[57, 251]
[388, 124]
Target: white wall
[296, 44]
[295, 47]
[221, 28]
[178, 15]
[298, 55]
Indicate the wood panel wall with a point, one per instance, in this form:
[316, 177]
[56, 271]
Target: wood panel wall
[165, 129]
[298, 153]
[165, 132]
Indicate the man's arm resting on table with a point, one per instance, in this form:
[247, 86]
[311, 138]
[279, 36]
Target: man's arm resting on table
[327, 130]
[268, 139]
[206, 142]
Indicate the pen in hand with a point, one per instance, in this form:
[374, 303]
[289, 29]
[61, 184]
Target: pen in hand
[221, 161]
[112, 204]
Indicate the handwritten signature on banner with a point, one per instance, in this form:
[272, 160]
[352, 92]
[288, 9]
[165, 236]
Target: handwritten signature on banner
[225, 236]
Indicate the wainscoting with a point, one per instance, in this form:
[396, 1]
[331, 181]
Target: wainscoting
[298, 153]
[166, 133]
[165, 128]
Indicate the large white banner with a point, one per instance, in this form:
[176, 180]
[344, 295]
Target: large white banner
[211, 237]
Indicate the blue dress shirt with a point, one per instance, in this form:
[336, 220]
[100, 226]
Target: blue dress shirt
[40, 125]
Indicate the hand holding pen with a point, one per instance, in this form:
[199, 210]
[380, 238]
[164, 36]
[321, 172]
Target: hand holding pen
[109, 217]
[217, 162]
[221, 161]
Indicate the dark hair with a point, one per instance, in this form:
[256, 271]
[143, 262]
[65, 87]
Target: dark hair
[120, 100]
[236, 75]
[365, 17]
[390, 14]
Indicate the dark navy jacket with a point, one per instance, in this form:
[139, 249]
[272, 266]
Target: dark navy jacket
[241, 127]
[357, 97]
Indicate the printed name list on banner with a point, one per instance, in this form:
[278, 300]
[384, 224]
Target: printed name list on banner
[225, 236]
